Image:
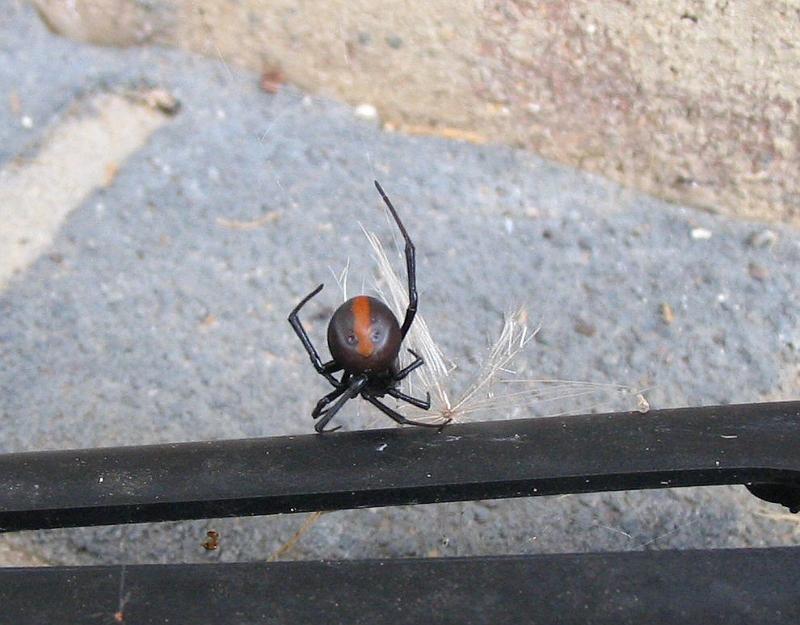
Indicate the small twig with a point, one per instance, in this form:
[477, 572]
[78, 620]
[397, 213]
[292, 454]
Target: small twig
[119, 615]
[289, 544]
[235, 224]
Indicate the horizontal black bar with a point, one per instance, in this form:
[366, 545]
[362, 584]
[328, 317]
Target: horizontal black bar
[740, 444]
[734, 587]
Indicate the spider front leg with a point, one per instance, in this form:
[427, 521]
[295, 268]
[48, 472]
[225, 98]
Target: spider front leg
[411, 264]
[350, 391]
[324, 369]
[322, 403]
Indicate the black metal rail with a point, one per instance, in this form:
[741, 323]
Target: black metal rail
[731, 587]
[754, 444]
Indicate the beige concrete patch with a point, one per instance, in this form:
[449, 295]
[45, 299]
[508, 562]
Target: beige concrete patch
[695, 101]
[82, 153]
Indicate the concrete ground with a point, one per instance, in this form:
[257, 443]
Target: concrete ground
[152, 307]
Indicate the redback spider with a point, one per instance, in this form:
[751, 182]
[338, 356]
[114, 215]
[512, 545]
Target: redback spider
[364, 339]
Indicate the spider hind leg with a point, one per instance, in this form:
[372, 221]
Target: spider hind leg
[396, 416]
[425, 404]
[403, 373]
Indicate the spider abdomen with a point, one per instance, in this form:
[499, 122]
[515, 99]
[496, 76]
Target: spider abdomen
[364, 335]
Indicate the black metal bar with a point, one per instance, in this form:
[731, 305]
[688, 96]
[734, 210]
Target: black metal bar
[734, 587]
[741, 444]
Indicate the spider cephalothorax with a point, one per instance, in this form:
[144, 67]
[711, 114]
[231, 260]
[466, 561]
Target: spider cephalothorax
[365, 338]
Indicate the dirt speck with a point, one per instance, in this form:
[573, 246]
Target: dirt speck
[272, 80]
[667, 314]
[762, 239]
[211, 542]
[757, 272]
[15, 103]
[585, 328]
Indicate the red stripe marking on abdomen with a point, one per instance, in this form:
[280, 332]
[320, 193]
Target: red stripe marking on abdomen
[362, 325]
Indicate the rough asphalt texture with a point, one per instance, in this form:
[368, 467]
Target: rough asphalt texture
[150, 321]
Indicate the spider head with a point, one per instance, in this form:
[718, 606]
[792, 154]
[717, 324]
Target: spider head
[364, 335]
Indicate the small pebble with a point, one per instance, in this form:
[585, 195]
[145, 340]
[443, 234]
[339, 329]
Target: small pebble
[701, 234]
[764, 238]
[366, 111]
[162, 100]
[585, 328]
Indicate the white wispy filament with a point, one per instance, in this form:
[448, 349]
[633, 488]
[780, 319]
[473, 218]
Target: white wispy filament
[496, 386]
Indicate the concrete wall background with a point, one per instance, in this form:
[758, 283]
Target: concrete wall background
[694, 101]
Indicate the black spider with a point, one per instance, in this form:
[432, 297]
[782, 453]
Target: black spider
[364, 338]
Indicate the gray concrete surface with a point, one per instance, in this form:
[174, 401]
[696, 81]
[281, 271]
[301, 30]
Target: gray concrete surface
[151, 319]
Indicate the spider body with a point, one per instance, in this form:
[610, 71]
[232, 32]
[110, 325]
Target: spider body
[365, 338]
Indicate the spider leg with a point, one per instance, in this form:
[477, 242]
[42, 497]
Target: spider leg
[403, 373]
[419, 403]
[396, 416]
[411, 266]
[350, 391]
[320, 407]
[331, 367]
[326, 369]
